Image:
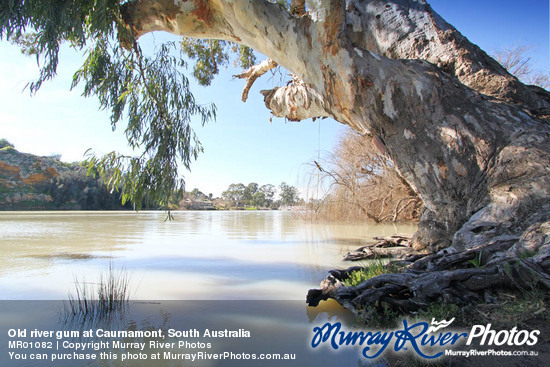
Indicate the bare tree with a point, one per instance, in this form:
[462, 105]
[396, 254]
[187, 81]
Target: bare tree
[516, 60]
[361, 183]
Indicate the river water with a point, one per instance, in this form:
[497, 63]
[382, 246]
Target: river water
[216, 270]
[199, 255]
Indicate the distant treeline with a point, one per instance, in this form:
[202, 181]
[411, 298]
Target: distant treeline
[241, 196]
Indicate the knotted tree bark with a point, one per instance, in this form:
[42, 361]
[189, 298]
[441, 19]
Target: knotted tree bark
[469, 138]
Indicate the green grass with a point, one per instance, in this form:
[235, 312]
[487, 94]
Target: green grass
[379, 316]
[477, 262]
[514, 309]
[371, 270]
[509, 309]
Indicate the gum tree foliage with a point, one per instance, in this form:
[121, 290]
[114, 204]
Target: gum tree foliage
[234, 193]
[75, 189]
[267, 192]
[258, 200]
[258, 196]
[249, 192]
[150, 93]
[289, 194]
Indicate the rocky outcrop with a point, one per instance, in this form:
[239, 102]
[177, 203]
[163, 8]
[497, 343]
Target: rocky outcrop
[30, 182]
[25, 179]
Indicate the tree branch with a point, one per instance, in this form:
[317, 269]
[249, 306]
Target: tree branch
[253, 73]
[413, 107]
[295, 102]
[399, 209]
[420, 33]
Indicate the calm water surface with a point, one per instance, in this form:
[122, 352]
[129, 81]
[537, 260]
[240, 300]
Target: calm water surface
[200, 255]
[250, 270]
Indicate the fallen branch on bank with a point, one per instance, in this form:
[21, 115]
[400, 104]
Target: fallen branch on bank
[391, 246]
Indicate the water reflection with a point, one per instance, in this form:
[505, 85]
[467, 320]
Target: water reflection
[200, 255]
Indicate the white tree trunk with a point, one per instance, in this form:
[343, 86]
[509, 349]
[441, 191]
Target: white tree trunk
[469, 138]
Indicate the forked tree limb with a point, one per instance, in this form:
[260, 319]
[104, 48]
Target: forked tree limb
[253, 73]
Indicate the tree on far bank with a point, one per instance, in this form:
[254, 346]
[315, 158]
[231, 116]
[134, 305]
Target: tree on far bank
[289, 194]
[268, 191]
[198, 194]
[258, 200]
[241, 195]
[234, 194]
[5, 144]
[249, 192]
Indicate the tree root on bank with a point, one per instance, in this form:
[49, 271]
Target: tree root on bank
[450, 277]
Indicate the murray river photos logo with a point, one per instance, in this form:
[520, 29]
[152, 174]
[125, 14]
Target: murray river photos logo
[427, 340]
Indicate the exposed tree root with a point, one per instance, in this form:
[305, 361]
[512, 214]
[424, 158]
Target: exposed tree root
[460, 278]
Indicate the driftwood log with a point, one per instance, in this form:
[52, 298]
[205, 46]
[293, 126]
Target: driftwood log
[391, 246]
[459, 277]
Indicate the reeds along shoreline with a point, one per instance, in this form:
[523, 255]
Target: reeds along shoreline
[97, 300]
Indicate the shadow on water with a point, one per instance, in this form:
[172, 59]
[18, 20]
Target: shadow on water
[226, 267]
[67, 256]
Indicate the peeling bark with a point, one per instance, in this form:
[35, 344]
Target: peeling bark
[411, 29]
[295, 102]
[470, 139]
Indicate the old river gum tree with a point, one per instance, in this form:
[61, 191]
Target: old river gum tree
[468, 137]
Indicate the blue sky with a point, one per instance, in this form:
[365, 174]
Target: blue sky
[242, 145]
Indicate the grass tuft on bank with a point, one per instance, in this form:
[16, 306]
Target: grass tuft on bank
[372, 269]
